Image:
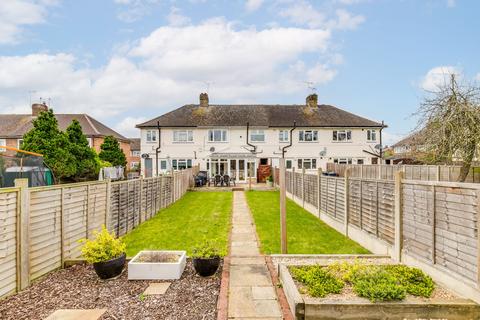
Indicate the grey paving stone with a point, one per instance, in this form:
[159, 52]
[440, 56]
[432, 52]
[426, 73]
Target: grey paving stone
[157, 288]
[76, 314]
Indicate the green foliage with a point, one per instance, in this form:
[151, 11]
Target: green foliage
[46, 138]
[374, 282]
[415, 281]
[319, 281]
[377, 284]
[208, 249]
[111, 152]
[270, 178]
[103, 247]
[85, 157]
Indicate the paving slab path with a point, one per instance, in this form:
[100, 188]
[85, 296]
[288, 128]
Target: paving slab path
[251, 294]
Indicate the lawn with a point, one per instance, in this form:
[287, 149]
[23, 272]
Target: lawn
[185, 224]
[305, 233]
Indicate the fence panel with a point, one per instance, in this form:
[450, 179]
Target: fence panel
[311, 189]
[8, 242]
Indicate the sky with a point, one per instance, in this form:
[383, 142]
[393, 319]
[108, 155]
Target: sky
[127, 61]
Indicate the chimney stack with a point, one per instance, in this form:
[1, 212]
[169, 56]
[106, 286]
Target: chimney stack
[203, 100]
[312, 100]
[37, 108]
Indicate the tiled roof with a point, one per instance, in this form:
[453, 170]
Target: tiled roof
[134, 144]
[16, 125]
[259, 115]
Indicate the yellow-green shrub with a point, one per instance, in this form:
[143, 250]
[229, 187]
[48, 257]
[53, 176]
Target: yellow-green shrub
[103, 247]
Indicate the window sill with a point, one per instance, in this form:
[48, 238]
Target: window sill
[183, 142]
[308, 141]
[342, 141]
[217, 141]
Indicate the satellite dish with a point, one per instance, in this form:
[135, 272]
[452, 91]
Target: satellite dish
[145, 156]
[323, 153]
[212, 149]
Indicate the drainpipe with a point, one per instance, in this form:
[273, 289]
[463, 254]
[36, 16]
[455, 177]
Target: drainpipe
[248, 143]
[291, 141]
[381, 145]
[157, 150]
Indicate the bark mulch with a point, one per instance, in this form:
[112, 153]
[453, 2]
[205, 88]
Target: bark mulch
[78, 287]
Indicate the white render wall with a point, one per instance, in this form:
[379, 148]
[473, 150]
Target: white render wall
[199, 149]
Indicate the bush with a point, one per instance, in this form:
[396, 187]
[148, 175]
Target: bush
[415, 281]
[318, 280]
[377, 284]
[207, 250]
[103, 247]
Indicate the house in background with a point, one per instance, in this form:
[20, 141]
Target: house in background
[134, 157]
[14, 126]
[217, 138]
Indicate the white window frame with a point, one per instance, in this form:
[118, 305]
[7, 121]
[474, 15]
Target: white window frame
[308, 136]
[151, 136]
[302, 163]
[288, 164]
[257, 135]
[372, 135]
[342, 160]
[187, 163]
[212, 137]
[136, 153]
[342, 135]
[182, 136]
[90, 142]
[163, 164]
[283, 136]
[133, 164]
[19, 143]
[3, 142]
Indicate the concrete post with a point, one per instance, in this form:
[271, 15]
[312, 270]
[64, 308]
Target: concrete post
[398, 216]
[346, 202]
[23, 235]
[283, 208]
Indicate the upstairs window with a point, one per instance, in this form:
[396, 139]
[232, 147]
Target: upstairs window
[151, 136]
[308, 135]
[183, 136]
[342, 135]
[217, 135]
[257, 136]
[283, 136]
[135, 153]
[371, 135]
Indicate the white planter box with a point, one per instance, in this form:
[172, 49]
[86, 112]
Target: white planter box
[141, 270]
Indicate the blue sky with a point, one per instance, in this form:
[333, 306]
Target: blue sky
[125, 61]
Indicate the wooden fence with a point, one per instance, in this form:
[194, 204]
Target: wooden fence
[411, 172]
[431, 224]
[41, 227]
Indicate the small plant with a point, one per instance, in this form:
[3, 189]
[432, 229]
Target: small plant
[103, 247]
[318, 280]
[415, 281]
[270, 178]
[377, 284]
[207, 250]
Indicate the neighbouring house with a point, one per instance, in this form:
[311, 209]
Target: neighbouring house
[134, 157]
[14, 126]
[232, 139]
[407, 150]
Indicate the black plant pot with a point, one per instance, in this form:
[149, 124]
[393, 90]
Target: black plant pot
[111, 268]
[206, 267]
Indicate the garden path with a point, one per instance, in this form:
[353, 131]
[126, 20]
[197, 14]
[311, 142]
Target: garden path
[251, 294]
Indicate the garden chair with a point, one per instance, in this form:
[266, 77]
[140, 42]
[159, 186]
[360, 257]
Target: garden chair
[218, 181]
[226, 180]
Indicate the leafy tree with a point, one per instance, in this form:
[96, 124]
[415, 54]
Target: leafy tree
[85, 157]
[47, 139]
[111, 152]
[450, 123]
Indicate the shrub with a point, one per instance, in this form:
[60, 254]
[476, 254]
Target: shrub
[318, 280]
[377, 284]
[415, 281]
[103, 247]
[208, 249]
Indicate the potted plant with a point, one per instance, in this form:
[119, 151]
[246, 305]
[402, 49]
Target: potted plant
[206, 259]
[106, 253]
[270, 181]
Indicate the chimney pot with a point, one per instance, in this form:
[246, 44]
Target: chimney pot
[204, 100]
[37, 108]
[312, 100]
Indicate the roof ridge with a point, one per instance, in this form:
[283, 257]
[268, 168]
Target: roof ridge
[87, 117]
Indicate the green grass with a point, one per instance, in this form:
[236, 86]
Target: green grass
[305, 233]
[196, 217]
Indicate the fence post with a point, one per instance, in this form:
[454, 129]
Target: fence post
[108, 203]
[478, 238]
[434, 208]
[438, 173]
[87, 212]
[398, 216]
[319, 190]
[23, 235]
[173, 187]
[293, 184]
[346, 201]
[283, 208]
[62, 228]
[303, 188]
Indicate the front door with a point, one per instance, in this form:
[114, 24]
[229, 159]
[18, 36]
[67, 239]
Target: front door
[148, 167]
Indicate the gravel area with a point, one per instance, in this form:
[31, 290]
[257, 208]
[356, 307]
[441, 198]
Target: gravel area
[78, 287]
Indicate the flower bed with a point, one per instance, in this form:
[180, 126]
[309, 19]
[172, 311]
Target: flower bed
[355, 289]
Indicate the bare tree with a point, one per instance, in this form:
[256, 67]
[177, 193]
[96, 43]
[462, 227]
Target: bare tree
[449, 119]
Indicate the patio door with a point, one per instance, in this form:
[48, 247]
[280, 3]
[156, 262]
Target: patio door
[241, 170]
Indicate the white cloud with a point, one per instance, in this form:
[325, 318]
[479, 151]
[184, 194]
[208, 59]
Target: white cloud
[303, 13]
[438, 76]
[477, 77]
[133, 10]
[253, 5]
[389, 138]
[127, 126]
[176, 19]
[15, 14]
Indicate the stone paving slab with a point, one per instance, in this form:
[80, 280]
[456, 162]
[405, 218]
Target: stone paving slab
[263, 293]
[157, 288]
[76, 314]
[244, 251]
[249, 275]
[243, 237]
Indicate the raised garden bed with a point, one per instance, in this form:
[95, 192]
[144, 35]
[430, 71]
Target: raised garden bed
[189, 298]
[326, 291]
[157, 265]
